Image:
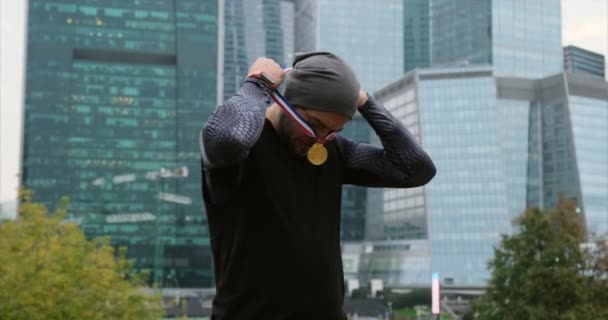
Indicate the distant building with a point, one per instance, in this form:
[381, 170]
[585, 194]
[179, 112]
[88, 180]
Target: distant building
[579, 60]
[500, 144]
[416, 34]
[253, 29]
[520, 38]
[501, 120]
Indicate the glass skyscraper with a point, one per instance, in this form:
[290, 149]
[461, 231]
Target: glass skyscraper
[368, 36]
[580, 60]
[500, 144]
[496, 113]
[116, 91]
[416, 34]
[520, 38]
[589, 130]
[568, 142]
[527, 38]
[253, 29]
[575, 147]
[461, 32]
[463, 211]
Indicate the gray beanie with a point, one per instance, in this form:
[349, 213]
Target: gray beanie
[322, 81]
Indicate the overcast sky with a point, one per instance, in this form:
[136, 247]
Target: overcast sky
[585, 24]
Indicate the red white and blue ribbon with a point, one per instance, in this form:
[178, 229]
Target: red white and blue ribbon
[291, 112]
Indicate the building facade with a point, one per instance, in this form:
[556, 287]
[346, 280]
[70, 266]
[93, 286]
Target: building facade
[253, 29]
[395, 262]
[374, 50]
[520, 38]
[579, 60]
[460, 32]
[570, 125]
[463, 211]
[500, 144]
[489, 147]
[526, 38]
[114, 93]
[416, 34]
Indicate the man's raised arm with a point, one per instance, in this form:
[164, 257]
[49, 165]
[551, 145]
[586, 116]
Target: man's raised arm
[234, 127]
[399, 163]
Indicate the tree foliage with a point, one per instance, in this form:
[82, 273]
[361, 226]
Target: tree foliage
[49, 270]
[547, 270]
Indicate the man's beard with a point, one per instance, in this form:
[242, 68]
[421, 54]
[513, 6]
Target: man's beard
[285, 131]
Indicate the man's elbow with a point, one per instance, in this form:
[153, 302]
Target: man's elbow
[428, 172]
[220, 150]
[423, 173]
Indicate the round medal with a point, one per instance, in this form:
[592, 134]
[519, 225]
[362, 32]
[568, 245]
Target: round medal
[317, 154]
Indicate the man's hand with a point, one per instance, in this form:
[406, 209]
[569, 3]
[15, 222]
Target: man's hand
[362, 98]
[270, 68]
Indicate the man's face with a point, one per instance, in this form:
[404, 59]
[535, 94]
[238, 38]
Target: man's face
[322, 122]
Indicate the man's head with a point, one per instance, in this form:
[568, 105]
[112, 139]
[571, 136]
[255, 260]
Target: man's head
[325, 92]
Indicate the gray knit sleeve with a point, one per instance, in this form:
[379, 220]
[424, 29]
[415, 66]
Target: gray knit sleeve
[234, 127]
[399, 163]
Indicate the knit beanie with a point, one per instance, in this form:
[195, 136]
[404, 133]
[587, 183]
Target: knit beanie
[322, 81]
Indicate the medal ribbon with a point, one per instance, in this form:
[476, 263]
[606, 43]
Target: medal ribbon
[291, 112]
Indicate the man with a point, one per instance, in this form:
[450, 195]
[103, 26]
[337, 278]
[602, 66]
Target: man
[272, 185]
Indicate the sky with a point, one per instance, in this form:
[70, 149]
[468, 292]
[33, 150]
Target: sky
[584, 24]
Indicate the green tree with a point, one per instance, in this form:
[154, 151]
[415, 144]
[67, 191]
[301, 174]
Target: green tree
[597, 269]
[49, 270]
[544, 271]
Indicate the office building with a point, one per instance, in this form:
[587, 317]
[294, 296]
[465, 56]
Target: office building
[416, 34]
[116, 94]
[374, 49]
[253, 29]
[500, 144]
[520, 38]
[487, 147]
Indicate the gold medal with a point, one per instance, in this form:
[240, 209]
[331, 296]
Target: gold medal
[317, 154]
